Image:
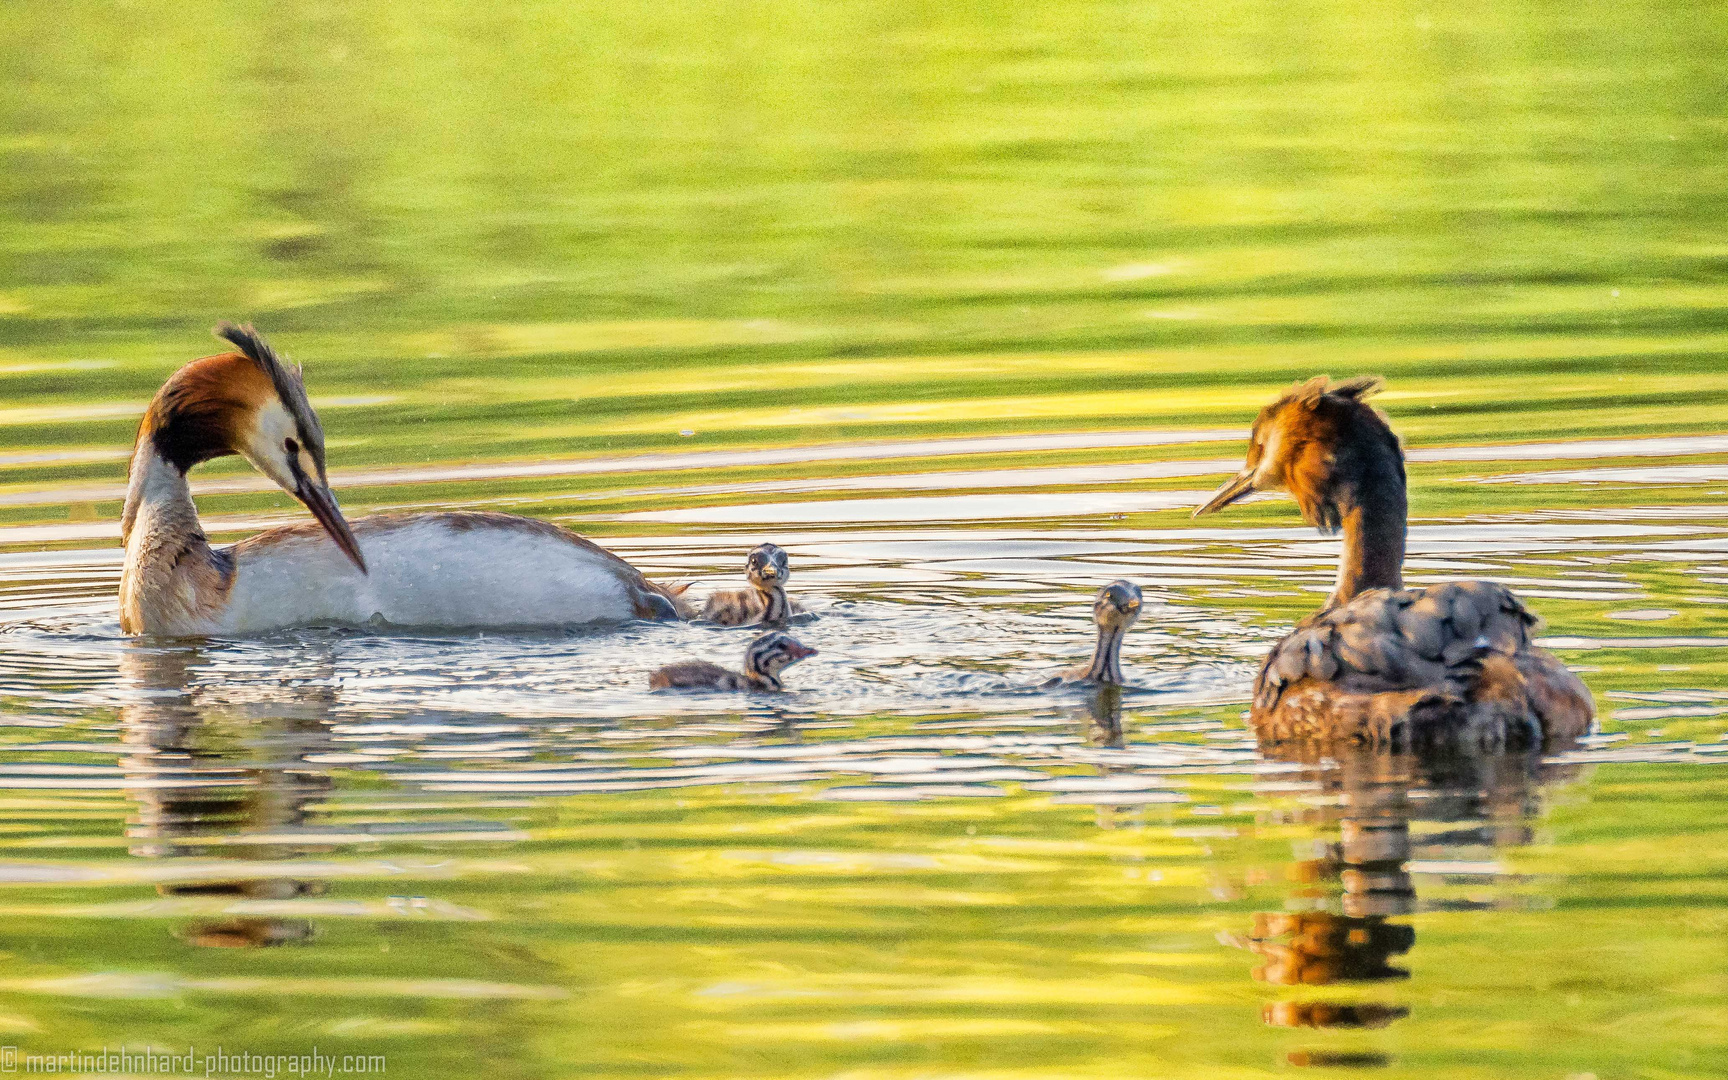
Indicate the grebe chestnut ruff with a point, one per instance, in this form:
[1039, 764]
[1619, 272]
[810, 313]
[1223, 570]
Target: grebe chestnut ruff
[456, 570]
[1380, 664]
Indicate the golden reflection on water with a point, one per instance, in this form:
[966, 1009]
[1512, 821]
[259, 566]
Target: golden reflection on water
[930, 884]
[1337, 927]
[189, 789]
[655, 261]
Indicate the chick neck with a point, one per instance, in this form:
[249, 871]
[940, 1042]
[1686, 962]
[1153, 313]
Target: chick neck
[1106, 664]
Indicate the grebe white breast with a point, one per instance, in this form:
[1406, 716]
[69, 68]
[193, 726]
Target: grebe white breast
[443, 570]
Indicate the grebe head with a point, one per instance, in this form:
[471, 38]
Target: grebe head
[773, 653]
[254, 404]
[1117, 606]
[1322, 442]
[767, 567]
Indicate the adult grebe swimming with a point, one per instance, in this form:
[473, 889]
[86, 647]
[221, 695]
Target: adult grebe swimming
[1379, 664]
[458, 570]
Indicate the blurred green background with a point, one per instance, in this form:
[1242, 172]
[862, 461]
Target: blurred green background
[553, 228]
[537, 230]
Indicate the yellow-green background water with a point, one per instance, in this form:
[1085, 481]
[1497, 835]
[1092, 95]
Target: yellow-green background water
[658, 271]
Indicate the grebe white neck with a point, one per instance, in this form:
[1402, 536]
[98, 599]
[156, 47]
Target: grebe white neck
[173, 581]
[154, 482]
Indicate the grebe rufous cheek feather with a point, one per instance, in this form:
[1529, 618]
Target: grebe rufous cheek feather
[1116, 608]
[1449, 664]
[764, 659]
[448, 570]
[248, 402]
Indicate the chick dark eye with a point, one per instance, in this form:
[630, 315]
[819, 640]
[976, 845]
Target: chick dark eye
[291, 446]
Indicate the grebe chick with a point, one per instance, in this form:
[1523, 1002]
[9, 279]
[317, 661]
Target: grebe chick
[1380, 664]
[1115, 610]
[765, 601]
[250, 403]
[764, 660]
[428, 570]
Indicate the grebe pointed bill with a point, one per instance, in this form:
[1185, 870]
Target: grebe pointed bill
[1447, 665]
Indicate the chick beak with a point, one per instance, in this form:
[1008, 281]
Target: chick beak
[799, 651]
[769, 572]
[322, 503]
[1237, 487]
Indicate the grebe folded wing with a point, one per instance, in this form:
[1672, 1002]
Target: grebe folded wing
[1381, 664]
[442, 570]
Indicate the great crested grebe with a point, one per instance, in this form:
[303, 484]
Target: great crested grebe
[249, 403]
[1379, 664]
[1115, 610]
[436, 569]
[765, 601]
[764, 660]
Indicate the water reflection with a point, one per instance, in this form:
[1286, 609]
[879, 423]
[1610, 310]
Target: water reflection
[1360, 872]
[1104, 713]
[204, 790]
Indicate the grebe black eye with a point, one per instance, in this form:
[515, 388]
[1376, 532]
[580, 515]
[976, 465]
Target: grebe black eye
[291, 446]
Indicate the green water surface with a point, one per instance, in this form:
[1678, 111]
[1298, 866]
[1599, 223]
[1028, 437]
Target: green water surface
[537, 231]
